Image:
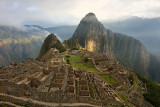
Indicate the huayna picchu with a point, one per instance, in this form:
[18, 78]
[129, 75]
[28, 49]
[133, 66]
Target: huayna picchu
[81, 72]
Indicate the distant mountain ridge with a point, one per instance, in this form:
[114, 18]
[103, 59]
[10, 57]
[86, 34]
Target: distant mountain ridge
[92, 36]
[20, 44]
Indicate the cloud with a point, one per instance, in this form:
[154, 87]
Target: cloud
[32, 8]
[63, 12]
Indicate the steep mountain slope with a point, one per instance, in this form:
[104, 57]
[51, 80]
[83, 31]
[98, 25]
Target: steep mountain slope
[154, 68]
[131, 53]
[19, 44]
[50, 42]
[143, 29]
[92, 36]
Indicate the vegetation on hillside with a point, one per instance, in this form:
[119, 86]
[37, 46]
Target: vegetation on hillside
[77, 63]
[50, 42]
[47, 56]
[108, 79]
[59, 46]
[153, 91]
[72, 44]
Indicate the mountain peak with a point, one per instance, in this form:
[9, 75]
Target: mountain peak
[90, 17]
[50, 42]
[90, 14]
[89, 27]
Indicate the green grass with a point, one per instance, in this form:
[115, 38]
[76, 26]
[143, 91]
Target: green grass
[123, 90]
[153, 91]
[125, 100]
[63, 53]
[108, 79]
[91, 88]
[47, 56]
[77, 63]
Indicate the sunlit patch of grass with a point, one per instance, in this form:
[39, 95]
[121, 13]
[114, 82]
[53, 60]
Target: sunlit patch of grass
[123, 90]
[77, 63]
[125, 100]
[108, 79]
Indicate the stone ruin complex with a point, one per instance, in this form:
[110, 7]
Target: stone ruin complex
[54, 82]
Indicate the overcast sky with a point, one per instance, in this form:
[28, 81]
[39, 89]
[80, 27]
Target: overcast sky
[64, 12]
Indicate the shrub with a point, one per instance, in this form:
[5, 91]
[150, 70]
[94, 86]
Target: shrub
[110, 68]
[153, 91]
[67, 56]
[131, 79]
[86, 59]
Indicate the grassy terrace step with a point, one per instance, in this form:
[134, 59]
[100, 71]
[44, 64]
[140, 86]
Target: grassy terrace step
[125, 100]
[77, 63]
[108, 79]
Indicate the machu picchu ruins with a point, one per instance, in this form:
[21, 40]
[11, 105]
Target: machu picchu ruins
[54, 82]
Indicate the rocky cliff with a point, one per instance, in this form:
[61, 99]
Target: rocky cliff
[93, 36]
